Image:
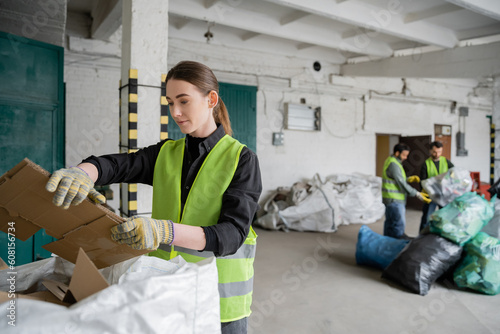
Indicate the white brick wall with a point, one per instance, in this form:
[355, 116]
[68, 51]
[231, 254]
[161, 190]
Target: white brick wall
[91, 114]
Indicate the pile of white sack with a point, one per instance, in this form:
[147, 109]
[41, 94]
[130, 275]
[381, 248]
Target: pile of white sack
[315, 205]
[146, 295]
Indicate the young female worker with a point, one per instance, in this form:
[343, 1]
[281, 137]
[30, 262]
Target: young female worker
[205, 190]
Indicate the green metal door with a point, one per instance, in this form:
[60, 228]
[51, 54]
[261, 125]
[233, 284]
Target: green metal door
[241, 103]
[32, 118]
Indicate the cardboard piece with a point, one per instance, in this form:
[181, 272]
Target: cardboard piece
[24, 200]
[85, 281]
[58, 289]
[3, 265]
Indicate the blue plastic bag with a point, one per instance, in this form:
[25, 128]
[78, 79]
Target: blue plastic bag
[375, 250]
[463, 218]
[480, 269]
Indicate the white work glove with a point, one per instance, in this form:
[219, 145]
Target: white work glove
[144, 233]
[72, 186]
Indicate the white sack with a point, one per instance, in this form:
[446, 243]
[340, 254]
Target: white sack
[359, 198]
[342, 199]
[316, 212]
[271, 220]
[30, 274]
[151, 296]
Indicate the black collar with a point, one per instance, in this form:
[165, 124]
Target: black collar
[210, 141]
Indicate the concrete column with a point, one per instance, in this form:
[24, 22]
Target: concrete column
[496, 122]
[144, 61]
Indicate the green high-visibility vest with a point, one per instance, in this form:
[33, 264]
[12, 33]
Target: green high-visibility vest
[431, 167]
[202, 208]
[390, 188]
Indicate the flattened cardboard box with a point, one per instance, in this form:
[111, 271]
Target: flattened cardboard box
[24, 200]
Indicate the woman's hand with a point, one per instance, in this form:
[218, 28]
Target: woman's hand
[144, 233]
[71, 186]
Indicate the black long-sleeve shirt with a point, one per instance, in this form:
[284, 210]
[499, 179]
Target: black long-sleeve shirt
[239, 202]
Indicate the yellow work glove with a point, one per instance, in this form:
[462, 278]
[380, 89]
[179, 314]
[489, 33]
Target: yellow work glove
[424, 197]
[144, 233]
[72, 185]
[413, 178]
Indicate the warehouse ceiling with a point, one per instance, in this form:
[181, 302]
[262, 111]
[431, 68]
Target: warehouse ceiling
[344, 32]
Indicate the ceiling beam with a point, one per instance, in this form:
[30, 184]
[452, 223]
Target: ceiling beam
[431, 12]
[489, 8]
[488, 30]
[385, 20]
[210, 3]
[356, 32]
[78, 24]
[303, 46]
[249, 35]
[351, 33]
[93, 46]
[265, 44]
[464, 62]
[106, 19]
[180, 22]
[244, 19]
[295, 16]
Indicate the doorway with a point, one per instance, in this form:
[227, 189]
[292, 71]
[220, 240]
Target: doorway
[385, 144]
[442, 133]
[419, 151]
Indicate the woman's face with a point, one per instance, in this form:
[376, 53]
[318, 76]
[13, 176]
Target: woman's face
[190, 109]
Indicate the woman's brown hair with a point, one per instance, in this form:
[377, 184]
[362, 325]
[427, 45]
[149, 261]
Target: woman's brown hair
[204, 79]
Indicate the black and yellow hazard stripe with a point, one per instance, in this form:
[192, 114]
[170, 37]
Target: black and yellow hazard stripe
[163, 109]
[120, 128]
[132, 111]
[132, 136]
[492, 154]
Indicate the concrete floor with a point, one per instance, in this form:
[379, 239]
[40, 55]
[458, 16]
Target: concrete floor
[310, 283]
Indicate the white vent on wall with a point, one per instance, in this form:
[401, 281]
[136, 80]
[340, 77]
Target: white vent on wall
[302, 117]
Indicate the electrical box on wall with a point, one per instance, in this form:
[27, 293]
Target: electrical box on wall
[463, 112]
[278, 138]
[461, 151]
[302, 117]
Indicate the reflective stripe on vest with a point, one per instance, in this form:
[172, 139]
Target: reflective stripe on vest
[244, 252]
[431, 167]
[390, 188]
[202, 208]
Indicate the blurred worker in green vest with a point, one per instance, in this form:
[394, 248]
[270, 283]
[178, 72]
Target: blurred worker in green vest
[436, 164]
[395, 188]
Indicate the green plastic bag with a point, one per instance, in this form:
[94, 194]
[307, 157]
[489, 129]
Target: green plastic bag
[463, 218]
[480, 269]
